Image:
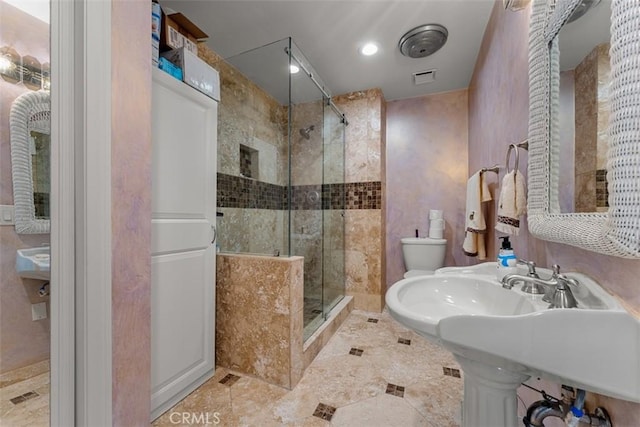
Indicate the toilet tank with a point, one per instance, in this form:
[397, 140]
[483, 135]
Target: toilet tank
[423, 253]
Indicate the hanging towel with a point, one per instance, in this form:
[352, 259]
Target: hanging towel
[475, 227]
[512, 203]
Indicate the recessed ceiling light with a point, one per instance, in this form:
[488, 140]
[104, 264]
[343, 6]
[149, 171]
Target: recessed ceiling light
[293, 69]
[369, 49]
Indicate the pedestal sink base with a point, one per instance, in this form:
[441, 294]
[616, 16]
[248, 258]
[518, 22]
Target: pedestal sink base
[490, 398]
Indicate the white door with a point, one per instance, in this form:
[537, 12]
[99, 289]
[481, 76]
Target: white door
[183, 254]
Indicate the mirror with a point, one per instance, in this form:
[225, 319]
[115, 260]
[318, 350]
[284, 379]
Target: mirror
[584, 110]
[30, 124]
[616, 232]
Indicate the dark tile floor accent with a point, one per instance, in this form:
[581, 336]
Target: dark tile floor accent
[24, 397]
[451, 372]
[356, 351]
[229, 380]
[395, 390]
[404, 341]
[324, 412]
[372, 320]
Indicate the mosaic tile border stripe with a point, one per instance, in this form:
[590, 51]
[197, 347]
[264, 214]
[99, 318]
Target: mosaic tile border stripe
[240, 192]
[247, 193]
[602, 192]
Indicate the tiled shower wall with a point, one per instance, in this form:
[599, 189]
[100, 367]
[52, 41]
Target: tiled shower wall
[249, 118]
[253, 221]
[591, 100]
[365, 170]
[259, 316]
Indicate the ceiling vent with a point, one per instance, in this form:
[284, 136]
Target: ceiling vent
[423, 40]
[423, 77]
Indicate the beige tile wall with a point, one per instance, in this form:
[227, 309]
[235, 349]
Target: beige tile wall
[259, 313]
[364, 238]
[249, 116]
[586, 131]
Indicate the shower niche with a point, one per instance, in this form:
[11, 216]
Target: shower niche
[249, 162]
[281, 169]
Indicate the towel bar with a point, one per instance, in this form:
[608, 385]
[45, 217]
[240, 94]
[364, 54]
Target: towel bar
[494, 168]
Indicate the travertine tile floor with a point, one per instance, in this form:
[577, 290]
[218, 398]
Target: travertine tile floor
[373, 372]
[363, 377]
[29, 389]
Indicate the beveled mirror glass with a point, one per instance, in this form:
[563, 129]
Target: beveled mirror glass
[30, 124]
[616, 232]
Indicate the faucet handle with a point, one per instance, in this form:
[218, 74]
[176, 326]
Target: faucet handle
[564, 280]
[562, 297]
[531, 266]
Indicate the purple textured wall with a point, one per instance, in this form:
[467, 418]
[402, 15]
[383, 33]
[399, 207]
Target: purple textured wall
[426, 161]
[131, 211]
[498, 115]
[22, 341]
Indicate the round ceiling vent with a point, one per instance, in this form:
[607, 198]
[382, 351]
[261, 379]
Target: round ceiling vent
[423, 40]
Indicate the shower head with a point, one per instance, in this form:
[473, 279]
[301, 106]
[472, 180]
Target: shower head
[305, 132]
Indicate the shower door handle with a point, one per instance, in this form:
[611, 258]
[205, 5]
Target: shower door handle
[215, 233]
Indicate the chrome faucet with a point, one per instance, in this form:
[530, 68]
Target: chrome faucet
[531, 283]
[560, 297]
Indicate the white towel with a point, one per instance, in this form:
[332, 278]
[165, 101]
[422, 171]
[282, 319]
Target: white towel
[475, 227]
[512, 203]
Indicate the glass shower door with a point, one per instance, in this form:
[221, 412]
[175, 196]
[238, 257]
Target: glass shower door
[333, 196]
[306, 207]
[317, 196]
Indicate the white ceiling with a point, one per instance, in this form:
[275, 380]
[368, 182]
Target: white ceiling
[579, 37]
[330, 32]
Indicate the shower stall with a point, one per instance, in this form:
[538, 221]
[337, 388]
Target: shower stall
[281, 170]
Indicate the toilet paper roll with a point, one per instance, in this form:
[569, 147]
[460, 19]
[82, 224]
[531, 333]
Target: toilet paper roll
[436, 233]
[435, 214]
[436, 224]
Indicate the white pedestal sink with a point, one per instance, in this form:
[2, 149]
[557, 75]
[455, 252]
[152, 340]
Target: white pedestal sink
[501, 337]
[34, 263]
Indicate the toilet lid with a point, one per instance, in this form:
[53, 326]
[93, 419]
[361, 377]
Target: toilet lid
[423, 241]
[417, 273]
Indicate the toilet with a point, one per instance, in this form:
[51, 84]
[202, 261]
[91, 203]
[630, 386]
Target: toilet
[422, 256]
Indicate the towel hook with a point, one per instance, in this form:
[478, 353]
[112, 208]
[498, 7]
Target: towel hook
[513, 147]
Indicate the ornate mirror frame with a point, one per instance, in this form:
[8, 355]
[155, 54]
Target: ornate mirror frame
[29, 112]
[616, 232]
